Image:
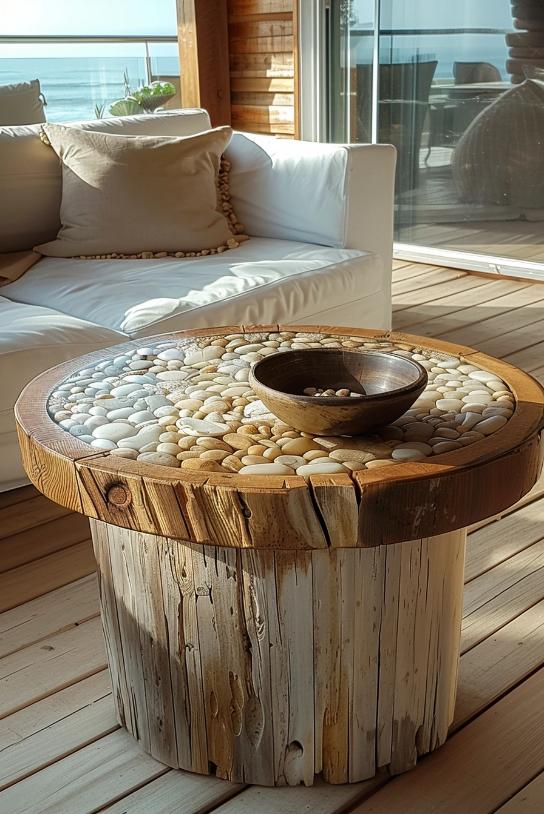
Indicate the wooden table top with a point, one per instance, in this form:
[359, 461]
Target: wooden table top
[365, 507]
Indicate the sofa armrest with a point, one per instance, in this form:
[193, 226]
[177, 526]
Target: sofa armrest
[329, 194]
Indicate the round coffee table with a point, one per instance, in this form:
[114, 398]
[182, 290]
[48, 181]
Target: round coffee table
[275, 605]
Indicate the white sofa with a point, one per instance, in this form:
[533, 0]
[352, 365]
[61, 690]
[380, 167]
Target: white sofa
[320, 221]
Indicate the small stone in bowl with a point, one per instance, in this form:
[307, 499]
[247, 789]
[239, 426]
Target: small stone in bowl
[343, 392]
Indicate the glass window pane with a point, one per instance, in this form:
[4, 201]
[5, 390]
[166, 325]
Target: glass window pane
[461, 95]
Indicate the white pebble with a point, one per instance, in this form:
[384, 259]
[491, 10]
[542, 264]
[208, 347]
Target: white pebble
[102, 443]
[449, 404]
[114, 432]
[159, 458]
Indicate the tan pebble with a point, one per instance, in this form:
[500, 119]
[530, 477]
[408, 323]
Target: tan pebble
[272, 452]
[240, 453]
[238, 440]
[314, 454]
[266, 469]
[214, 455]
[279, 428]
[169, 438]
[201, 465]
[291, 460]
[378, 463]
[199, 414]
[291, 434]
[328, 443]
[213, 443]
[249, 460]
[321, 468]
[186, 442]
[355, 466]
[499, 393]
[248, 429]
[256, 449]
[239, 402]
[188, 454]
[298, 446]
[265, 430]
[217, 407]
[351, 455]
[232, 463]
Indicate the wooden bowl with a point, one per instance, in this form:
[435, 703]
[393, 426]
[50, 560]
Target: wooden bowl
[391, 385]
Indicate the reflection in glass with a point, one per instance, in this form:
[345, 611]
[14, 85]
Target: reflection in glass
[461, 95]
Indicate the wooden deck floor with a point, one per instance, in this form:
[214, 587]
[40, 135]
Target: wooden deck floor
[61, 750]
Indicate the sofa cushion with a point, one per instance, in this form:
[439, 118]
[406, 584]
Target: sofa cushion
[21, 103]
[130, 195]
[30, 174]
[34, 338]
[264, 280]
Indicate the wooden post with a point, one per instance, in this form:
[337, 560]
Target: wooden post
[204, 57]
[271, 666]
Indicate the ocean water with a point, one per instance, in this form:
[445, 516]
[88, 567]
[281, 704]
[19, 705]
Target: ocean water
[72, 86]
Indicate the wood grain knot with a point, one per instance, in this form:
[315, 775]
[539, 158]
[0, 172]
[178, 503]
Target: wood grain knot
[119, 496]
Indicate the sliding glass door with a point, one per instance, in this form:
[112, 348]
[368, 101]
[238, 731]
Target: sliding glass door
[458, 88]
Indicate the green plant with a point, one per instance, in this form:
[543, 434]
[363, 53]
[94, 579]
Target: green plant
[126, 107]
[145, 99]
[153, 91]
[99, 110]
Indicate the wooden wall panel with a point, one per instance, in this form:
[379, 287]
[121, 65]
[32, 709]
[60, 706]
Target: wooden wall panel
[263, 66]
[203, 56]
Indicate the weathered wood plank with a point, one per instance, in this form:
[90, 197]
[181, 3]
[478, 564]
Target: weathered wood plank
[86, 780]
[448, 313]
[502, 539]
[58, 610]
[40, 576]
[474, 771]
[177, 793]
[56, 741]
[36, 511]
[530, 800]
[20, 726]
[499, 663]
[47, 666]
[500, 595]
[43, 539]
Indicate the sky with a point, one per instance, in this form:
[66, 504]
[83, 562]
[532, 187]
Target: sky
[88, 16]
[49, 17]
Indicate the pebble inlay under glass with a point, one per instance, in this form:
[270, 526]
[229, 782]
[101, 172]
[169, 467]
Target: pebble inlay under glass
[187, 403]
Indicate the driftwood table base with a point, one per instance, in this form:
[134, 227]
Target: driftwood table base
[271, 622]
[270, 667]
